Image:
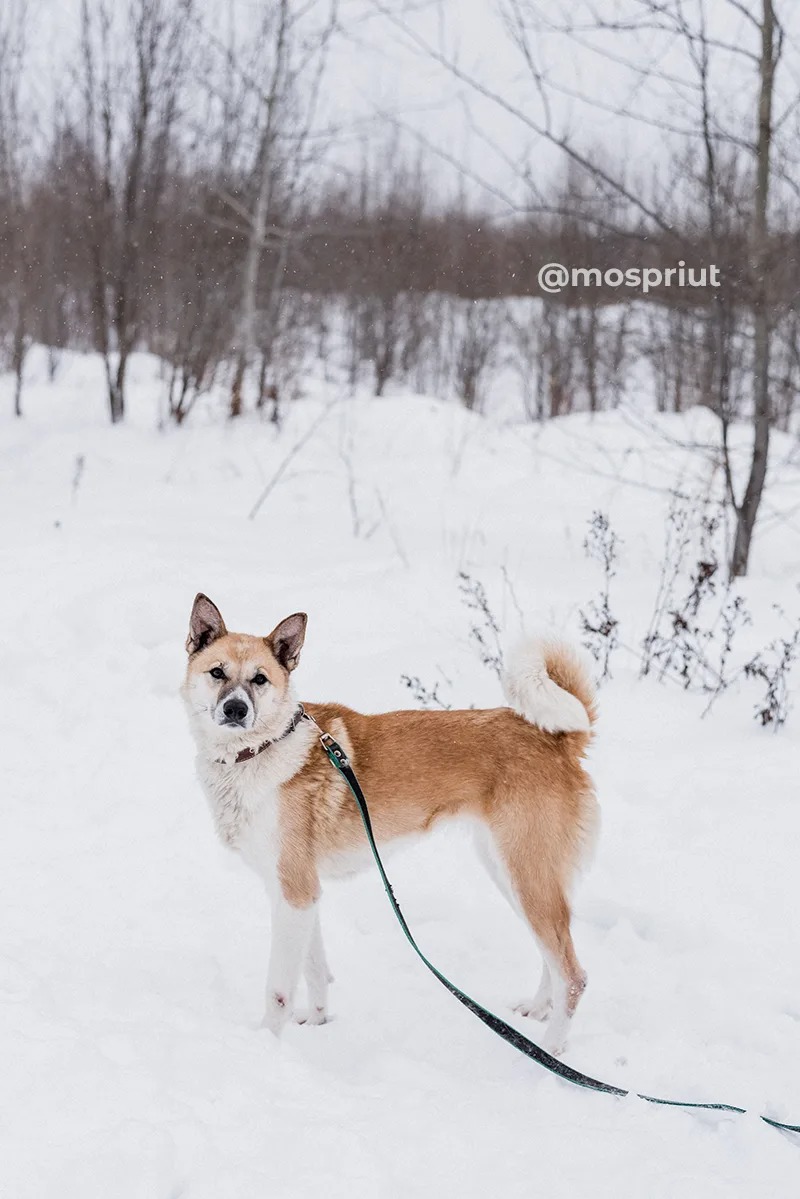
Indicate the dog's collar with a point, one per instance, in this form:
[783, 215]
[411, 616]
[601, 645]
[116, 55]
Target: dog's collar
[244, 755]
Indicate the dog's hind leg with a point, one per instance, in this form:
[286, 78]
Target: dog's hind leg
[542, 897]
[540, 1006]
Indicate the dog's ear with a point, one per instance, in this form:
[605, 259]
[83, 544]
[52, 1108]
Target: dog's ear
[205, 624]
[286, 639]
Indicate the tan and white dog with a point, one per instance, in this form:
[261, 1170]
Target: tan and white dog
[276, 799]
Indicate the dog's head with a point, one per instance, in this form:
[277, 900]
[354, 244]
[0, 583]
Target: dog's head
[237, 683]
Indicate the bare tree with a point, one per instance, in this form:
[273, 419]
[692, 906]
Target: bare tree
[130, 84]
[14, 185]
[478, 325]
[701, 123]
[721, 146]
[760, 250]
[200, 273]
[285, 83]
[265, 173]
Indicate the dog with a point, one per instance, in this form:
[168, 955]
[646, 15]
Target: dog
[275, 798]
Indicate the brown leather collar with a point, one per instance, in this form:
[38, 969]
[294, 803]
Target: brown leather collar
[244, 755]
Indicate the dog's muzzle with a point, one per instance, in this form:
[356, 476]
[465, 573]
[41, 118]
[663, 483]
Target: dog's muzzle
[235, 712]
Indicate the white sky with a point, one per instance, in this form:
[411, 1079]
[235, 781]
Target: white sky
[377, 68]
[586, 85]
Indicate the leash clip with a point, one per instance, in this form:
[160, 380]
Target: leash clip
[331, 746]
[334, 750]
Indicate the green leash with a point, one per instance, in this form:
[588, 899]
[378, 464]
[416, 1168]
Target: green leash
[339, 759]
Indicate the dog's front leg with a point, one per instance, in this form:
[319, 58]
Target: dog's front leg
[292, 927]
[318, 976]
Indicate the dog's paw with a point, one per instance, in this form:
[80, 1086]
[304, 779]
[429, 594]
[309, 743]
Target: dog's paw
[554, 1046]
[314, 1015]
[278, 1011]
[534, 1009]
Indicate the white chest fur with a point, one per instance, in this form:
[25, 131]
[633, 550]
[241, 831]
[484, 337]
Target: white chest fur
[245, 797]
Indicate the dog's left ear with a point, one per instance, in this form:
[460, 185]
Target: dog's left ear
[205, 624]
[286, 639]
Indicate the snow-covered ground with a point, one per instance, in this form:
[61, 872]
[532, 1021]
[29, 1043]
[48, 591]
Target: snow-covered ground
[133, 947]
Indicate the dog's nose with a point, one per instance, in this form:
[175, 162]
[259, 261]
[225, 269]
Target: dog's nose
[235, 710]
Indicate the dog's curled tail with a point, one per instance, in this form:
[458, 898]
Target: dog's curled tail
[549, 682]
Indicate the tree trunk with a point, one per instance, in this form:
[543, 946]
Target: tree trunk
[18, 355]
[247, 315]
[590, 357]
[116, 393]
[18, 393]
[258, 222]
[270, 329]
[748, 510]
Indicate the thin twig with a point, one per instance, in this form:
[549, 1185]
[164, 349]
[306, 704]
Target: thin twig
[293, 452]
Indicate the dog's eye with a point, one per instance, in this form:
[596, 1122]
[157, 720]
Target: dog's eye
[260, 680]
[217, 673]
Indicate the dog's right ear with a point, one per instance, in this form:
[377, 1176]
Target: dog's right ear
[205, 624]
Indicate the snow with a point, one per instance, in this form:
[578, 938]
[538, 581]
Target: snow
[134, 946]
